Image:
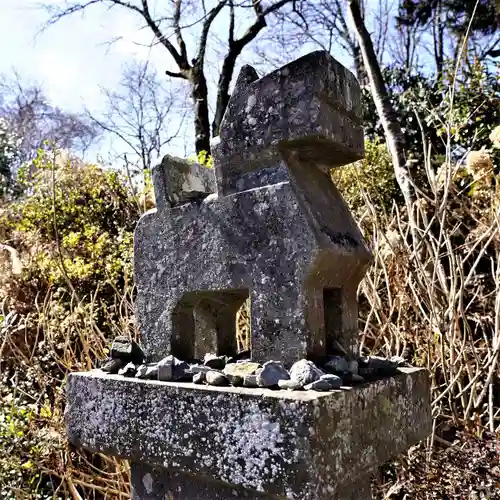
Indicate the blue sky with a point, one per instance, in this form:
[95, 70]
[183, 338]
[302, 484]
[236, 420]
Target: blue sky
[73, 59]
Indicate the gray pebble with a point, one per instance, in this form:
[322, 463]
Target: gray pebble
[334, 381]
[149, 371]
[353, 378]
[353, 367]
[319, 385]
[305, 372]
[250, 381]
[128, 370]
[235, 380]
[127, 350]
[337, 364]
[291, 385]
[172, 369]
[215, 378]
[112, 366]
[272, 372]
[199, 369]
[215, 362]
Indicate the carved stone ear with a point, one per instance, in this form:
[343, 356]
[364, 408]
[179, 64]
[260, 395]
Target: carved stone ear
[246, 76]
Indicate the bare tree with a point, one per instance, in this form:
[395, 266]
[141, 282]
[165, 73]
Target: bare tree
[172, 23]
[33, 119]
[140, 114]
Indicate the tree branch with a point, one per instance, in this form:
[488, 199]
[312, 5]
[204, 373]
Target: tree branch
[204, 33]
[179, 59]
[235, 48]
[177, 29]
[175, 75]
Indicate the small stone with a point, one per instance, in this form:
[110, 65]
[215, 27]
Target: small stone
[272, 372]
[199, 369]
[353, 378]
[333, 380]
[215, 362]
[399, 361]
[199, 378]
[235, 380]
[353, 367]
[250, 381]
[165, 369]
[241, 369]
[112, 366]
[290, 385]
[336, 364]
[127, 350]
[171, 369]
[148, 371]
[216, 378]
[319, 385]
[129, 370]
[377, 366]
[241, 356]
[305, 372]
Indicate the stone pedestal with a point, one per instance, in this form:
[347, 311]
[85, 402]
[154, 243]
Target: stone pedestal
[303, 445]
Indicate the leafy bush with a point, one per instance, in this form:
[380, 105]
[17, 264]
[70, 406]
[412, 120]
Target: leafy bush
[73, 229]
[373, 175]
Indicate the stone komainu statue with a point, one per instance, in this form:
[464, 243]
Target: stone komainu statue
[277, 231]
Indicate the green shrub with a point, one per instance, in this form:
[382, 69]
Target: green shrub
[373, 175]
[73, 228]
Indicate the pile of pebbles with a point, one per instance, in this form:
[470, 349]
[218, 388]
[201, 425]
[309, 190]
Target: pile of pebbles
[334, 372]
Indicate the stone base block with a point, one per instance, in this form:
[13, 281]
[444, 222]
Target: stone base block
[157, 483]
[280, 444]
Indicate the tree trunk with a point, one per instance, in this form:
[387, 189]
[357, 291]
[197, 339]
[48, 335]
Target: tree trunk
[223, 90]
[199, 95]
[360, 67]
[390, 123]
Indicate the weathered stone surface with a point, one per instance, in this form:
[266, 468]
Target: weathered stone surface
[299, 445]
[199, 378]
[215, 362]
[157, 483]
[242, 369]
[129, 370]
[334, 381]
[250, 381]
[376, 366]
[112, 365]
[305, 372]
[353, 367]
[216, 378]
[311, 105]
[148, 371]
[319, 385]
[336, 364]
[172, 369]
[272, 372]
[277, 232]
[290, 385]
[284, 237]
[126, 350]
[179, 181]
